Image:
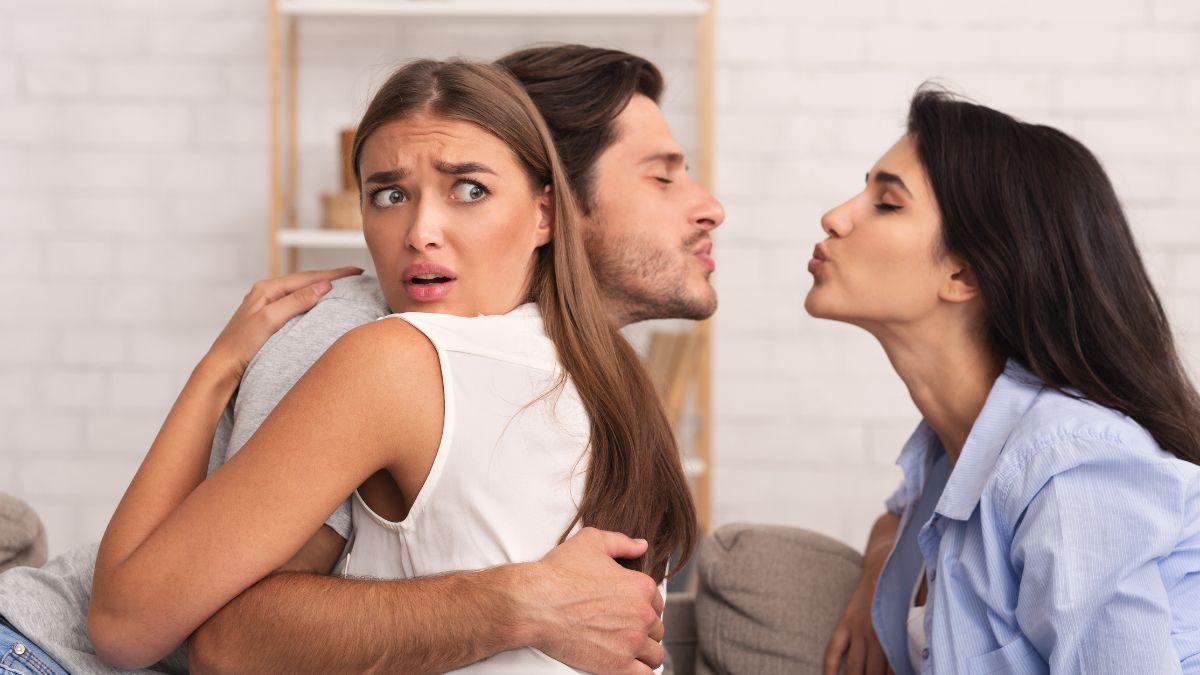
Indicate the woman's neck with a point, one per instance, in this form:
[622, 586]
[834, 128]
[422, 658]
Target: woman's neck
[948, 371]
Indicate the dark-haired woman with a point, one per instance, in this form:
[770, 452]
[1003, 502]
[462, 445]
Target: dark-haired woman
[1049, 517]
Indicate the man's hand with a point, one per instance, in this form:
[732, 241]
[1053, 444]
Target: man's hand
[591, 613]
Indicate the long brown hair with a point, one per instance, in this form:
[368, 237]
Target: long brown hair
[635, 482]
[1033, 214]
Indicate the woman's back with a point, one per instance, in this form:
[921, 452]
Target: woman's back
[510, 468]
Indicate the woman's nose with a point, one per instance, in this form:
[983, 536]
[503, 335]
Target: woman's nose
[836, 221]
[426, 231]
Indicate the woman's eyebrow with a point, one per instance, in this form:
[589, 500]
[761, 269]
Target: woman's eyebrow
[462, 168]
[389, 176]
[890, 179]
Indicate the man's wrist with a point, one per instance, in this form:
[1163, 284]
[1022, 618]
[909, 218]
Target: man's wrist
[516, 586]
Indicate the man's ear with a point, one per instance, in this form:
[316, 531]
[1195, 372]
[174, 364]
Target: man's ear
[545, 226]
[961, 284]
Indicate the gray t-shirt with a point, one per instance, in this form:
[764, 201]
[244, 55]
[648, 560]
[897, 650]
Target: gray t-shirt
[49, 604]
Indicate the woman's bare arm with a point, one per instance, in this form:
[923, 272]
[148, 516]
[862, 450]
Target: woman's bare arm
[256, 512]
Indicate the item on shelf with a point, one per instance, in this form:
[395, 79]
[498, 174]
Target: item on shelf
[341, 210]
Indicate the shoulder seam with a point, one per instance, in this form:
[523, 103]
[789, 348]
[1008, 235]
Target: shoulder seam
[1026, 454]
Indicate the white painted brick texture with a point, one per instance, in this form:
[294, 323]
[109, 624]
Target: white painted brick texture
[133, 177]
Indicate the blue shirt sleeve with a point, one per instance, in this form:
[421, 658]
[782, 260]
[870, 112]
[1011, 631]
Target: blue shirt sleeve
[1086, 547]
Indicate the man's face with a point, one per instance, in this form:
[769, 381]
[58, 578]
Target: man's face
[647, 233]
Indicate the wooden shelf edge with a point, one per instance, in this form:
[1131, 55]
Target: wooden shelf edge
[495, 8]
[314, 238]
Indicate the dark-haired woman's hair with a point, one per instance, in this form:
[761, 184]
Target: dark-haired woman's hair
[1030, 210]
[580, 91]
[635, 482]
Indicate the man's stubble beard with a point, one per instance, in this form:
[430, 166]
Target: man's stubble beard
[640, 283]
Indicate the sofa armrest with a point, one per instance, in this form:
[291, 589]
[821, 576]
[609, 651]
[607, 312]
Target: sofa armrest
[769, 597]
[679, 623]
[22, 536]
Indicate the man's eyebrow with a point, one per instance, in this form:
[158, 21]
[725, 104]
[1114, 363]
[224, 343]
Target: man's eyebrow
[390, 176]
[671, 159]
[462, 168]
[890, 179]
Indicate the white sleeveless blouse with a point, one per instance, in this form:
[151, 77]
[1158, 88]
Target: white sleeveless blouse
[509, 472]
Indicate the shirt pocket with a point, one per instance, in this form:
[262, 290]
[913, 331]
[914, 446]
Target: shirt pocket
[1015, 658]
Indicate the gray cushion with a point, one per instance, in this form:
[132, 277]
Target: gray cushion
[679, 638]
[769, 597]
[22, 537]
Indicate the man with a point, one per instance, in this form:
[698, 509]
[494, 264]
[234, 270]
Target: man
[647, 227]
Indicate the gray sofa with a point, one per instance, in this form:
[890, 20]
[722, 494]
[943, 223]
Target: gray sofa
[766, 603]
[22, 535]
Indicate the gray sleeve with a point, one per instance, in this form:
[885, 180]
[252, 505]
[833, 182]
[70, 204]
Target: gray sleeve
[287, 355]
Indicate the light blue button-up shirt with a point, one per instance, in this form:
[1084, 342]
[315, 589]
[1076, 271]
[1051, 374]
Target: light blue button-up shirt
[1064, 540]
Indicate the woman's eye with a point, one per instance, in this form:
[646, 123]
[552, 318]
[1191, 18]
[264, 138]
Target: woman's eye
[664, 180]
[886, 208]
[388, 197]
[468, 191]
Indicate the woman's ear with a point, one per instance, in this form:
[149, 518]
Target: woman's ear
[961, 284]
[545, 226]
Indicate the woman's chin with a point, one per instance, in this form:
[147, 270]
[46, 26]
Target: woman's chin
[817, 306]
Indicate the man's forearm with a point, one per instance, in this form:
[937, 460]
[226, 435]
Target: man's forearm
[294, 622]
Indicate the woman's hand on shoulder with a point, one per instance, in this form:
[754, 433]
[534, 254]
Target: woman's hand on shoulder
[266, 308]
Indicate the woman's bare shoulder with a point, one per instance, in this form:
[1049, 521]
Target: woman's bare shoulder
[388, 346]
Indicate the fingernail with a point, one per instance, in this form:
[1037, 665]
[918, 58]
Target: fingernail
[322, 287]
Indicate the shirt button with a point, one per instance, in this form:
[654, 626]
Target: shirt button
[925, 653]
[18, 649]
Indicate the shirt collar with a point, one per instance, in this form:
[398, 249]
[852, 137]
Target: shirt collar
[1011, 396]
[914, 461]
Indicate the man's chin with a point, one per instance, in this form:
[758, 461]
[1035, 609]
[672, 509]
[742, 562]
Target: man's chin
[700, 306]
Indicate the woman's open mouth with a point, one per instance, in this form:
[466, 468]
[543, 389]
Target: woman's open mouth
[427, 282]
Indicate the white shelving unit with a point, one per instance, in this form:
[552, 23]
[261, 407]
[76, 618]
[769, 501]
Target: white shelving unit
[287, 236]
[494, 8]
[295, 237]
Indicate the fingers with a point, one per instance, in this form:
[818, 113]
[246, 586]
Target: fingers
[617, 545]
[837, 647]
[656, 631]
[876, 661]
[279, 312]
[657, 602]
[638, 668]
[271, 290]
[651, 654]
[856, 658]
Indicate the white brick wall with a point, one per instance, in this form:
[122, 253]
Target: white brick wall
[132, 204]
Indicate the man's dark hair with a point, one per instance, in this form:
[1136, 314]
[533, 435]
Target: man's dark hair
[580, 91]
